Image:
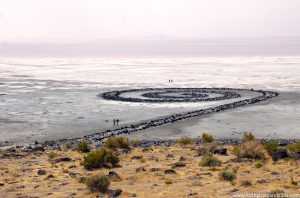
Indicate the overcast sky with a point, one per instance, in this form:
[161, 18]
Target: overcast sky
[53, 20]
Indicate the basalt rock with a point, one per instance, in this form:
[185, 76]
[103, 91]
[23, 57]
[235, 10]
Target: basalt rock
[113, 176]
[154, 169]
[115, 193]
[137, 157]
[170, 155]
[218, 150]
[280, 153]
[61, 159]
[170, 171]
[41, 172]
[182, 158]
[140, 169]
[178, 164]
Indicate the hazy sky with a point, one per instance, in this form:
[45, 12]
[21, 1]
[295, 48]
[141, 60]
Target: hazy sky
[97, 19]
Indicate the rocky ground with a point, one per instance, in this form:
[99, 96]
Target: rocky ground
[156, 171]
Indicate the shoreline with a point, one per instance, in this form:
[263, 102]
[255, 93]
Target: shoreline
[23, 150]
[127, 129]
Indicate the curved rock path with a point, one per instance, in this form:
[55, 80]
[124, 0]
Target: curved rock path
[168, 95]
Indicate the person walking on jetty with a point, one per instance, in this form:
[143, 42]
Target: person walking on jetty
[118, 121]
[114, 122]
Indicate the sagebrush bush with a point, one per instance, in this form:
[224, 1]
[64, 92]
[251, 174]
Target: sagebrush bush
[67, 146]
[271, 147]
[98, 183]
[250, 149]
[294, 150]
[52, 155]
[185, 140]
[117, 142]
[83, 146]
[142, 160]
[202, 151]
[135, 143]
[210, 160]
[99, 158]
[227, 175]
[168, 181]
[258, 165]
[248, 136]
[207, 138]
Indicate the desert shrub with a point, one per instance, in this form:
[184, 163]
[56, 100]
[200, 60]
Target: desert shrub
[98, 183]
[248, 136]
[185, 140]
[294, 147]
[135, 143]
[227, 175]
[233, 183]
[82, 180]
[214, 169]
[210, 160]
[258, 165]
[52, 155]
[15, 174]
[168, 181]
[250, 149]
[271, 147]
[293, 182]
[207, 138]
[202, 151]
[99, 158]
[117, 142]
[68, 145]
[246, 183]
[142, 160]
[294, 150]
[83, 146]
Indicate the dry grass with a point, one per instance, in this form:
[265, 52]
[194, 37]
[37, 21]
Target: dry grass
[191, 179]
[185, 140]
[250, 149]
[117, 142]
[248, 136]
[207, 138]
[98, 183]
[83, 146]
[100, 158]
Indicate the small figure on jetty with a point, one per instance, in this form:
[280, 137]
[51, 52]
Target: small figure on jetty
[117, 121]
[114, 122]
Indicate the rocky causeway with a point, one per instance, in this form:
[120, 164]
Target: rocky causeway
[173, 94]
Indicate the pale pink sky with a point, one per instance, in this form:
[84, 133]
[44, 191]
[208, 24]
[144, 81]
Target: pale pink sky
[61, 20]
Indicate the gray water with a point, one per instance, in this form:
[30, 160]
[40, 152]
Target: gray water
[50, 98]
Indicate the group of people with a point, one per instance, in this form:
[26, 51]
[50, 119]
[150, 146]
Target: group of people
[170, 81]
[116, 122]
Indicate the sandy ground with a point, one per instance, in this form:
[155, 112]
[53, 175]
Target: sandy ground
[20, 178]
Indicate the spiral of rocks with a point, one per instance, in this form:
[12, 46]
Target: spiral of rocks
[162, 95]
[173, 95]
